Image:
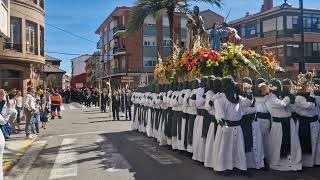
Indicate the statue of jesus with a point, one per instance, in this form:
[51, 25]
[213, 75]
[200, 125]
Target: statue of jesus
[196, 28]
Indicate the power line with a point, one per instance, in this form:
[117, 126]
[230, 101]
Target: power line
[66, 31]
[74, 54]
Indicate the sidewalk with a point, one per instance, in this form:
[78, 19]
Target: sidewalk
[15, 147]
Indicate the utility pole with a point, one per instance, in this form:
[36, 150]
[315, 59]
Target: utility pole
[302, 61]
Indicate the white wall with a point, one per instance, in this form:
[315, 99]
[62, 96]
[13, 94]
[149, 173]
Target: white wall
[79, 65]
[4, 18]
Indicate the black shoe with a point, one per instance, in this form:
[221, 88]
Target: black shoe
[59, 117]
[52, 117]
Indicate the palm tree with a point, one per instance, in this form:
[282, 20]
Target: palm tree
[158, 8]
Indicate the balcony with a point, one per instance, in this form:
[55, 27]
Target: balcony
[119, 51]
[119, 30]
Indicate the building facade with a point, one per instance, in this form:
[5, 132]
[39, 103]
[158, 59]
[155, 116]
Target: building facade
[127, 56]
[78, 74]
[93, 68]
[278, 29]
[52, 75]
[22, 52]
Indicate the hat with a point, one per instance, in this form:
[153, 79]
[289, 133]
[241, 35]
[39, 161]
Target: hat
[262, 84]
[277, 86]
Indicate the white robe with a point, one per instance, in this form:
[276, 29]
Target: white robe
[185, 108]
[192, 110]
[280, 109]
[199, 143]
[229, 152]
[182, 108]
[265, 124]
[308, 109]
[209, 158]
[174, 105]
[255, 158]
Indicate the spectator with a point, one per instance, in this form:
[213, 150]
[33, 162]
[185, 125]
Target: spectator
[104, 100]
[56, 102]
[36, 118]
[29, 104]
[2, 122]
[44, 111]
[128, 103]
[115, 105]
[67, 95]
[19, 106]
[12, 112]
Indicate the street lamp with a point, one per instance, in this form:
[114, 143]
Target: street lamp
[302, 67]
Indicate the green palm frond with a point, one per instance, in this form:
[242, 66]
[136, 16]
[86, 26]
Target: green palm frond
[140, 11]
[212, 2]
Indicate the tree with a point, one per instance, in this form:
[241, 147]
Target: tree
[158, 8]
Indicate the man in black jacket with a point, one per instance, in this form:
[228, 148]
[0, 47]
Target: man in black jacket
[128, 103]
[104, 100]
[115, 105]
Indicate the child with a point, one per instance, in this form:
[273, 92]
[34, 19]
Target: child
[36, 118]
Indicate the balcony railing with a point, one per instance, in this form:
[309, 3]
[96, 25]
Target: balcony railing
[118, 28]
[119, 50]
[12, 46]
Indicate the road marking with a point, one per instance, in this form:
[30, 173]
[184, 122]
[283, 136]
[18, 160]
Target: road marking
[65, 164]
[113, 159]
[79, 134]
[71, 106]
[154, 152]
[19, 171]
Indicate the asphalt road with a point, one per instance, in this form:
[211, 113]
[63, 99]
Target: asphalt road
[87, 145]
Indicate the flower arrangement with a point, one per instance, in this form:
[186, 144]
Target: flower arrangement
[200, 61]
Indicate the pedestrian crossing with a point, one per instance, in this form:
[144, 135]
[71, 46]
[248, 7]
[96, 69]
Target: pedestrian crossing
[72, 106]
[67, 157]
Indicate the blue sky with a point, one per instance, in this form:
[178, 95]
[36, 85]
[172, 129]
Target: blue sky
[83, 17]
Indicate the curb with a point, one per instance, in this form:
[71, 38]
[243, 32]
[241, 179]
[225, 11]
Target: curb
[8, 164]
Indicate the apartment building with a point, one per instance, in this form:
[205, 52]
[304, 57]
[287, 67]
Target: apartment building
[78, 74]
[279, 30]
[22, 50]
[127, 56]
[93, 67]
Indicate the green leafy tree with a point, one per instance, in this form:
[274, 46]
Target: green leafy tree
[158, 8]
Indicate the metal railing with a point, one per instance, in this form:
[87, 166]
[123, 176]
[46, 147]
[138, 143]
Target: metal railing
[120, 27]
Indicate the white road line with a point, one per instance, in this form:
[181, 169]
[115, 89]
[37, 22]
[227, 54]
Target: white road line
[19, 171]
[114, 160]
[71, 106]
[154, 152]
[65, 164]
[79, 134]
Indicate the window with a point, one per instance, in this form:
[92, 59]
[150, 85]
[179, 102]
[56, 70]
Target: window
[273, 26]
[41, 3]
[166, 43]
[149, 41]
[5, 2]
[308, 49]
[312, 22]
[35, 1]
[252, 29]
[41, 41]
[149, 61]
[31, 37]
[14, 42]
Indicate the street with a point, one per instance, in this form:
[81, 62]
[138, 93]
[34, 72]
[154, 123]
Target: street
[86, 144]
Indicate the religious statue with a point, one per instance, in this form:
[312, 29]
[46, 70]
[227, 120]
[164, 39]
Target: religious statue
[196, 28]
[216, 35]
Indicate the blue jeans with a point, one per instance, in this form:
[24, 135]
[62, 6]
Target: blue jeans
[35, 123]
